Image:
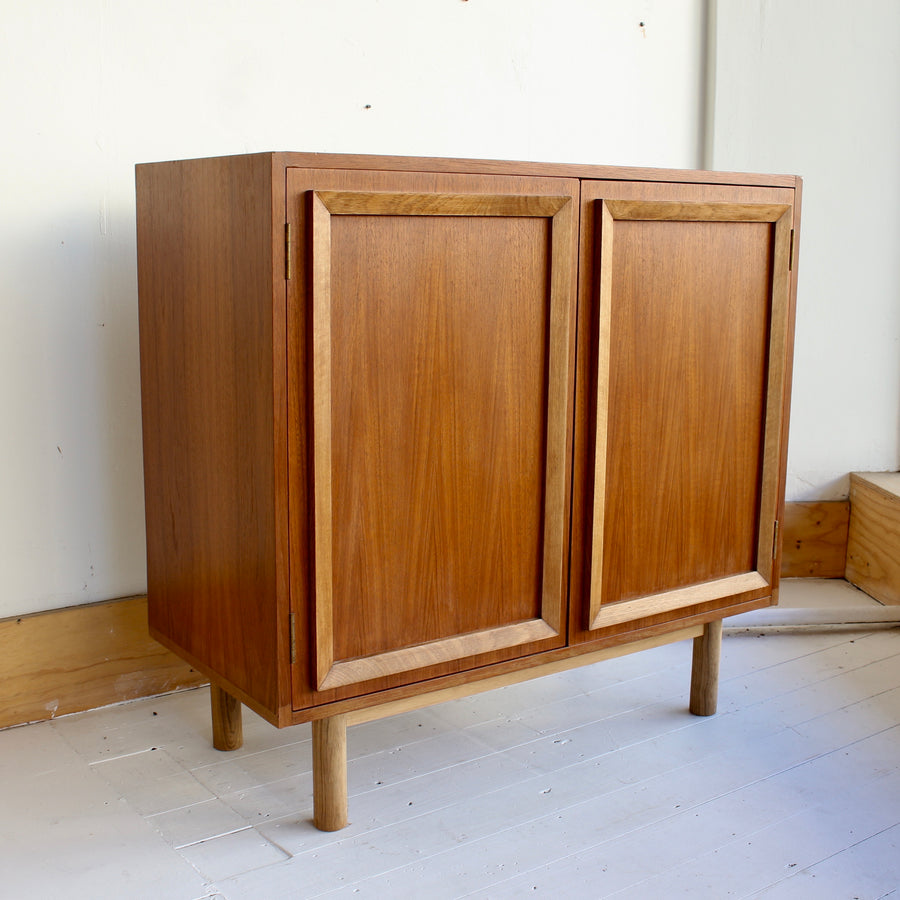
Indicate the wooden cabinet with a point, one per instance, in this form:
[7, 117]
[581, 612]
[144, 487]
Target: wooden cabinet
[412, 426]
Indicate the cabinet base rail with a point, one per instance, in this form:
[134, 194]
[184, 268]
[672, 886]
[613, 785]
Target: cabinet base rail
[329, 734]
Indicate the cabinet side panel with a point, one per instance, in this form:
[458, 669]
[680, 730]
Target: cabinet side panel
[206, 327]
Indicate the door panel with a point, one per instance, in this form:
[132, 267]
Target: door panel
[692, 310]
[440, 380]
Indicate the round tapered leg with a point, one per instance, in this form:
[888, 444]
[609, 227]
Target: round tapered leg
[705, 670]
[329, 747]
[227, 721]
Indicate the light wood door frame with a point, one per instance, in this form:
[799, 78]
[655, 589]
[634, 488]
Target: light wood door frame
[561, 211]
[602, 615]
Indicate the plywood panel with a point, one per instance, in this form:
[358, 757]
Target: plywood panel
[83, 657]
[873, 543]
[814, 539]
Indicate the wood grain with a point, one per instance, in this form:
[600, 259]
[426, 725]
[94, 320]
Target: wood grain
[657, 420]
[449, 165]
[685, 410]
[668, 211]
[707, 653]
[212, 370]
[380, 203]
[814, 539]
[322, 404]
[82, 657]
[653, 605]
[227, 719]
[419, 656]
[441, 389]
[873, 541]
[329, 753]
[771, 487]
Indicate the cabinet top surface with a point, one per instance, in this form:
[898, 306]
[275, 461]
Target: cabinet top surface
[281, 160]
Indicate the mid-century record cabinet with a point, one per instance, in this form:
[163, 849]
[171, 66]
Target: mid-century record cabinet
[418, 427]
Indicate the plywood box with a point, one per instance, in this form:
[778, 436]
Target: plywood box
[873, 544]
[814, 539]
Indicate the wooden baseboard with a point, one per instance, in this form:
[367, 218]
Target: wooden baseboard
[814, 539]
[873, 547]
[83, 657]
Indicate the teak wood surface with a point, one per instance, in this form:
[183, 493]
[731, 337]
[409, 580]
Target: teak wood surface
[213, 382]
[685, 305]
[441, 376]
[363, 466]
[688, 314]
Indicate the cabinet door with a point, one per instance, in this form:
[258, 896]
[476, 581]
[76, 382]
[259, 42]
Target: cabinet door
[437, 403]
[690, 293]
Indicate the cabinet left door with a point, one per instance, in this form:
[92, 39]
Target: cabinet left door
[431, 347]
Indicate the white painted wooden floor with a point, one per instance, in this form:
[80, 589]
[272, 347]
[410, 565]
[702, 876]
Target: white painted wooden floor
[590, 784]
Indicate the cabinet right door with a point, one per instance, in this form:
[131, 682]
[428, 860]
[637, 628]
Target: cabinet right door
[686, 318]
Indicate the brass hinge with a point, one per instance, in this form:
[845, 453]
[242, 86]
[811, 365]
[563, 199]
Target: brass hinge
[775, 541]
[287, 251]
[791, 255]
[293, 640]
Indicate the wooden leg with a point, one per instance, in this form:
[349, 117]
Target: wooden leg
[705, 670]
[329, 748]
[227, 723]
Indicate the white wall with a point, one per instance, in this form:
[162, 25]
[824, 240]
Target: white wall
[812, 87]
[89, 88]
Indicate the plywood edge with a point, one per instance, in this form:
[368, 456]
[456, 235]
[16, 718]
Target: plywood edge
[814, 539]
[83, 657]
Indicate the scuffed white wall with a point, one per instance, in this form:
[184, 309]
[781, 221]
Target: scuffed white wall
[812, 87]
[88, 89]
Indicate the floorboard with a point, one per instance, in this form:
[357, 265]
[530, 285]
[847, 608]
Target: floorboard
[587, 784]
